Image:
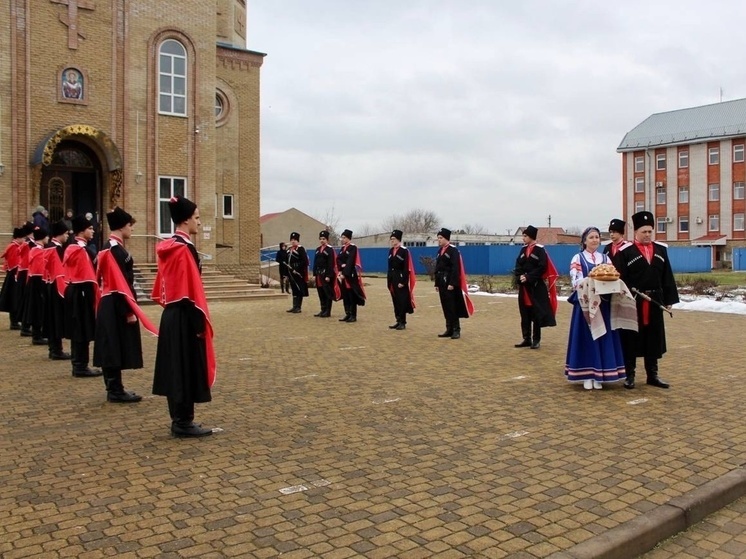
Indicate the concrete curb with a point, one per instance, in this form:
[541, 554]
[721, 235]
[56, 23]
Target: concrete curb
[643, 533]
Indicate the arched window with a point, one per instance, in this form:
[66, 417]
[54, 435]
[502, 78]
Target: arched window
[172, 77]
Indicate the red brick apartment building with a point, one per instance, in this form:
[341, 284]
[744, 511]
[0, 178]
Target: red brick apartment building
[127, 102]
[688, 167]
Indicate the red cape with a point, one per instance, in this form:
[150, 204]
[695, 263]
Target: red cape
[79, 268]
[359, 268]
[36, 263]
[11, 256]
[23, 250]
[112, 281]
[412, 279]
[465, 288]
[178, 278]
[551, 275]
[55, 270]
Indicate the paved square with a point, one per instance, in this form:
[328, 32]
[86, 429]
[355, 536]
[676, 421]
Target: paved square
[352, 440]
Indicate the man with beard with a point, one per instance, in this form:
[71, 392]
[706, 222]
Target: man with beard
[400, 280]
[325, 272]
[450, 283]
[81, 295]
[185, 360]
[644, 265]
[348, 275]
[537, 303]
[118, 345]
[55, 307]
[298, 267]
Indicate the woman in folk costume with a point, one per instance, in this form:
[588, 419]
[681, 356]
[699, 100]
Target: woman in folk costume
[350, 282]
[185, 358]
[297, 264]
[11, 257]
[118, 316]
[591, 361]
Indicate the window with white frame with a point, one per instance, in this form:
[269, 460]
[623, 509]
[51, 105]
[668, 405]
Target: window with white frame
[639, 164]
[661, 225]
[738, 191]
[683, 195]
[738, 153]
[738, 222]
[172, 76]
[640, 184]
[683, 159]
[167, 188]
[713, 222]
[713, 156]
[639, 206]
[660, 195]
[684, 224]
[228, 206]
[660, 161]
[713, 192]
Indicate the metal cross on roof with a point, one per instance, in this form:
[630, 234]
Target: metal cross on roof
[71, 19]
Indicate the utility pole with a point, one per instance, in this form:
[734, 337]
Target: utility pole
[549, 220]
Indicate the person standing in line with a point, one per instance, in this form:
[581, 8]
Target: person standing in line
[298, 268]
[325, 273]
[591, 360]
[537, 303]
[55, 307]
[9, 292]
[81, 295]
[644, 266]
[118, 345]
[282, 261]
[36, 288]
[185, 365]
[24, 250]
[616, 234]
[348, 275]
[450, 283]
[401, 280]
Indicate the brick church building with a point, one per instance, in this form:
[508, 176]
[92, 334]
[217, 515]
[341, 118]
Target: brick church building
[128, 102]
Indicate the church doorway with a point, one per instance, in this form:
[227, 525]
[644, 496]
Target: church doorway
[72, 181]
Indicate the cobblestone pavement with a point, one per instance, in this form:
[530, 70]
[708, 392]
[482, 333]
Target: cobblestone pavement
[352, 440]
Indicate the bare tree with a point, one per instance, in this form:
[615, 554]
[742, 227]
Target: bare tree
[414, 221]
[331, 220]
[475, 229]
[365, 230]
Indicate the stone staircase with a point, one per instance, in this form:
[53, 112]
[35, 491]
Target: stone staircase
[218, 285]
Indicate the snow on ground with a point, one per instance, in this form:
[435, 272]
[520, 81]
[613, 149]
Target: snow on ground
[693, 303]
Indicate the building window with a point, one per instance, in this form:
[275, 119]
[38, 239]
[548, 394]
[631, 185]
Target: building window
[168, 187]
[714, 156]
[172, 78]
[713, 192]
[713, 223]
[639, 206]
[639, 164]
[738, 222]
[228, 206]
[683, 159]
[639, 184]
[660, 161]
[738, 153]
[738, 191]
[683, 195]
[660, 195]
[661, 225]
[684, 224]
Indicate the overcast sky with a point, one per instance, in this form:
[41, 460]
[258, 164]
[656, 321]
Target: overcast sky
[487, 112]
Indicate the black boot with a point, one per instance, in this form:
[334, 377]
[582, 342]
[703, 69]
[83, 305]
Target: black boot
[298, 304]
[115, 391]
[347, 314]
[402, 323]
[525, 343]
[80, 361]
[651, 369]
[449, 331]
[353, 314]
[456, 330]
[182, 421]
[295, 304]
[526, 333]
[395, 326]
[536, 343]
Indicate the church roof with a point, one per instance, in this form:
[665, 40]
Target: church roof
[688, 126]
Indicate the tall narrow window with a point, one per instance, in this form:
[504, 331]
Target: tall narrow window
[172, 76]
[683, 195]
[683, 159]
[713, 194]
[660, 161]
[684, 224]
[738, 153]
[660, 195]
[661, 225]
[639, 184]
[738, 191]
[168, 187]
[228, 206]
[639, 206]
[738, 222]
[639, 164]
[714, 222]
[714, 156]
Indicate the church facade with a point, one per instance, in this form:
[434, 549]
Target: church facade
[129, 102]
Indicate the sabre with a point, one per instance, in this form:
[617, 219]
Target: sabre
[648, 299]
[290, 277]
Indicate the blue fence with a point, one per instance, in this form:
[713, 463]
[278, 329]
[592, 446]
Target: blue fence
[499, 260]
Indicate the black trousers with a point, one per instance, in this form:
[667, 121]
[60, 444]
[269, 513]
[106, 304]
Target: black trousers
[629, 348]
[448, 304]
[530, 328]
